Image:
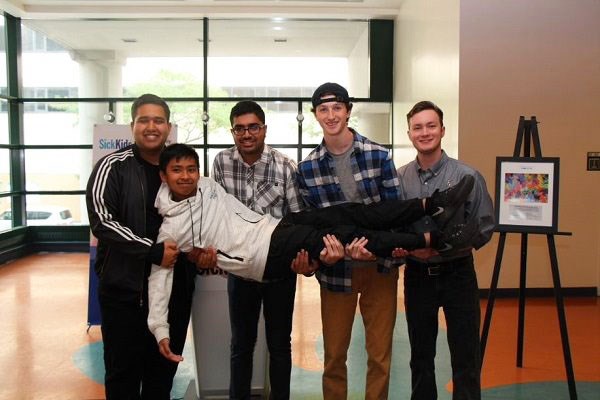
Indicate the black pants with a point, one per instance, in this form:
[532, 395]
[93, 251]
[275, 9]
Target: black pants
[245, 299]
[452, 286]
[305, 230]
[131, 357]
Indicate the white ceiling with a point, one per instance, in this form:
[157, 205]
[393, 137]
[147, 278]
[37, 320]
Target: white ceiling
[176, 37]
[173, 27]
[201, 8]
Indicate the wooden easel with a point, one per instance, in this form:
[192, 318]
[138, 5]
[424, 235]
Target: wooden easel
[527, 134]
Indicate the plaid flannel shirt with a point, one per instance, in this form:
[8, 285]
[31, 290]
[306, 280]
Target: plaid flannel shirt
[377, 180]
[267, 186]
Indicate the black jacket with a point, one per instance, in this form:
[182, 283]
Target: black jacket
[116, 204]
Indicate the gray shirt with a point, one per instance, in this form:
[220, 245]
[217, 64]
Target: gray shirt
[343, 170]
[447, 172]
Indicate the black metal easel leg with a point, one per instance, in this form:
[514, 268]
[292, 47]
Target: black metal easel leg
[562, 321]
[522, 286]
[492, 294]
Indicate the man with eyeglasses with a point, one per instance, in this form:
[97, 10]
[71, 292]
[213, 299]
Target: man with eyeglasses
[264, 180]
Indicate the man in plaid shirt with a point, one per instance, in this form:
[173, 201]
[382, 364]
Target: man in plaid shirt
[347, 167]
[265, 181]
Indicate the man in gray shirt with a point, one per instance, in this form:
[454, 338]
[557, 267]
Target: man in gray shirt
[432, 281]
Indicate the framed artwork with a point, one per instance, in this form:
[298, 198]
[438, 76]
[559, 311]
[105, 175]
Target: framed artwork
[527, 194]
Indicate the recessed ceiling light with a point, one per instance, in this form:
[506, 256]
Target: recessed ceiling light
[277, 28]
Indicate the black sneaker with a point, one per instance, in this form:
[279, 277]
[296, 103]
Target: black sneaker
[444, 248]
[442, 206]
[456, 237]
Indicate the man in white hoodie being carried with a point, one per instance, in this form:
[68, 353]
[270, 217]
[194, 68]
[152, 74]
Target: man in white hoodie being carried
[198, 213]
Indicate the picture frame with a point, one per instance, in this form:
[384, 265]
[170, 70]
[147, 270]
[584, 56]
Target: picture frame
[527, 194]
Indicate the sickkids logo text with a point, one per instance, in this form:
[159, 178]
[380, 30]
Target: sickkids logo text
[113, 144]
[211, 272]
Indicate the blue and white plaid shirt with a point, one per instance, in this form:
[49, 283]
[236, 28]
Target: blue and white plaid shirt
[376, 178]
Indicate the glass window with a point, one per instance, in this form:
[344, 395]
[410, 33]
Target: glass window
[291, 152]
[282, 125]
[56, 210]
[5, 184]
[54, 123]
[286, 58]
[3, 76]
[164, 76]
[212, 153]
[218, 124]
[311, 130]
[71, 59]
[46, 65]
[3, 121]
[123, 112]
[110, 58]
[48, 210]
[305, 153]
[6, 219]
[187, 116]
[201, 157]
[372, 120]
[280, 118]
[57, 169]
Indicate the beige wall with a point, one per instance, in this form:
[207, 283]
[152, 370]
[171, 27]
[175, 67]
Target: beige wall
[426, 58]
[539, 57]
[542, 58]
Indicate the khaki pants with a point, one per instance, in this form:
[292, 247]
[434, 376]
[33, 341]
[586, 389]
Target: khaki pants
[377, 303]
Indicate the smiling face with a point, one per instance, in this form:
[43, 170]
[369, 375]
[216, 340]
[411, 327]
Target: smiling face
[250, 145]
[150, 129]
[181, 175]
[426, 132]
[332, 116]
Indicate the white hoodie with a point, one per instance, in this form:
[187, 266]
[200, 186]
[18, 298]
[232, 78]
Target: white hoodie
[210, 218]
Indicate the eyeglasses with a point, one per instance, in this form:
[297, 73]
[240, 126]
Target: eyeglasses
[252, 129]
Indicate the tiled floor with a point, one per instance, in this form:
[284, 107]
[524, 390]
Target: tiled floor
[49, 354]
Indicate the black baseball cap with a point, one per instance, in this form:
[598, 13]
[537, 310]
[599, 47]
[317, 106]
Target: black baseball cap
[340, 93]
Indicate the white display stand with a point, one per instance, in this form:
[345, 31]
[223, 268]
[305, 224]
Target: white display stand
[211, 334]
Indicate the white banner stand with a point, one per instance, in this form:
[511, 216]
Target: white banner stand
[212, 335]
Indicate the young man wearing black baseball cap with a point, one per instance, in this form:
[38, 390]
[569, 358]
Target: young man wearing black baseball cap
[348, 167]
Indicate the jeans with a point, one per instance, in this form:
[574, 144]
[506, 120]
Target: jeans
[245, 299]
[131, 356]
[305, 230]
[452, 286]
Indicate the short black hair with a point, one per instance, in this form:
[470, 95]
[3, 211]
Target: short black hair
[176, 151]
[247, 107]
[149, 98]
[422, 106]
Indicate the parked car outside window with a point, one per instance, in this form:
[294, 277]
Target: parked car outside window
[40, 215]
